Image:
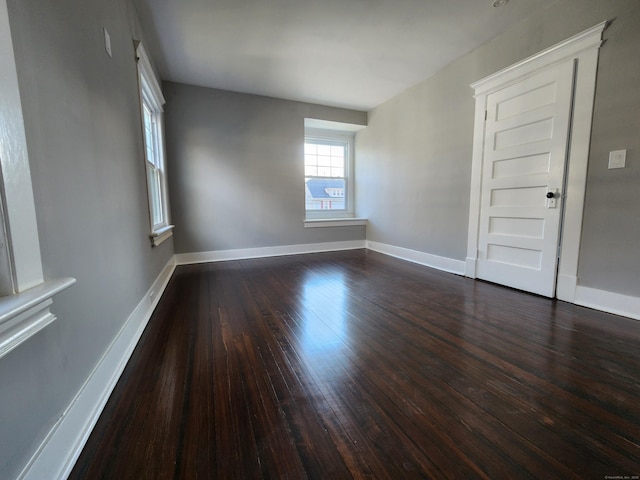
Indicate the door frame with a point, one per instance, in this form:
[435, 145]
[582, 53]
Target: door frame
[583, 48]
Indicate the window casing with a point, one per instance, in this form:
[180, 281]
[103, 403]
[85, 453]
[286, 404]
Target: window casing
[25, 295]
[151, 100]
[328, 174]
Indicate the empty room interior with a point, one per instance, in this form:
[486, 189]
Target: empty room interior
[319, 239]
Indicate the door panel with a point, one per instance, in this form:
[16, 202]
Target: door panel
[519, 166]
[537, 131]
[526, 135]
[533, 99]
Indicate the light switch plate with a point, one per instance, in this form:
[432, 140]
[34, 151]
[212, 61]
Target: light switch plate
[617, 159]
[107, 42]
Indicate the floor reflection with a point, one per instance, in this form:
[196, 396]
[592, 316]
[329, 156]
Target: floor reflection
[323, 301]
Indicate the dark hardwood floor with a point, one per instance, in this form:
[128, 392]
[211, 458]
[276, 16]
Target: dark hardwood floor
[357, 365]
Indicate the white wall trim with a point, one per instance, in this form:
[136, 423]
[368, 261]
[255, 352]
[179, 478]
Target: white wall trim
[245, 253]
[146, 74]
[160, 235]
[476, 187]
[576, 185]
[24, 314]
[331, 125]
[610, 302]
[566, 287]
[434, 261]
[57, 454]
[334, 222]
[470, 267]
[571, 47]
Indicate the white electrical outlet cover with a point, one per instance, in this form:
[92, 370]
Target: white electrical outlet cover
[617, 159]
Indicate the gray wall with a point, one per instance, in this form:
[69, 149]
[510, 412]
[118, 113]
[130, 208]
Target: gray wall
[413, 169]
[82, 123]
[235, 169]
[610, 251]
[235, 177]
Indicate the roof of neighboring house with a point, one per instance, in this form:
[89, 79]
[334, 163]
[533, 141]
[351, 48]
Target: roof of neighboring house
[318, 186]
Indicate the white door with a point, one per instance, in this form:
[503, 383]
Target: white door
[525, 149]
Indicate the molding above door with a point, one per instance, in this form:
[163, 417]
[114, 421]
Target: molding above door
[583, 48]
[569, 48]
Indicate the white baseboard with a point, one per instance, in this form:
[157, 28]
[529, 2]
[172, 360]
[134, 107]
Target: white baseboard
[59, 451]
[434, 261]
[245, 253]
[610, 302]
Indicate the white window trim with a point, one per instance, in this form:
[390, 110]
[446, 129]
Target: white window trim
[315, 134]
[335, 222]
[26, 311]
[151, 92]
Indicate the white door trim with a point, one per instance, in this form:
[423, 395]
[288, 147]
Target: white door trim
[584, 48]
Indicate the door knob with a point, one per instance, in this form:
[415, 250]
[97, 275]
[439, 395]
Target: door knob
[550, 195]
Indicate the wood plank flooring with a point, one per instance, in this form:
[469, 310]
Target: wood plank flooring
[358, 365]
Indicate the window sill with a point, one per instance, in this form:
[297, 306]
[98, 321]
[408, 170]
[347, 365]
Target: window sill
[334, 222]
[160, 235]
[24, 314]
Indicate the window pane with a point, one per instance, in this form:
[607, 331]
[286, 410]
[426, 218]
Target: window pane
[310, 160]
[310, 148]
[149, 137]
[147, 116]
[337, 151]
[155, 201]
[324, 161]
[324, 149]
[337, 162]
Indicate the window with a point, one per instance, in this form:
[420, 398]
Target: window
[152, 126]
[154, 165]
[25, 296]
[328, 163]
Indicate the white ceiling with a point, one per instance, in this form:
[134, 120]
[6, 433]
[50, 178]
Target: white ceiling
[346, 53]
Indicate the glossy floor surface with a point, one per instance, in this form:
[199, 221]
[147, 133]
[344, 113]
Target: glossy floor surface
[357, 365]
